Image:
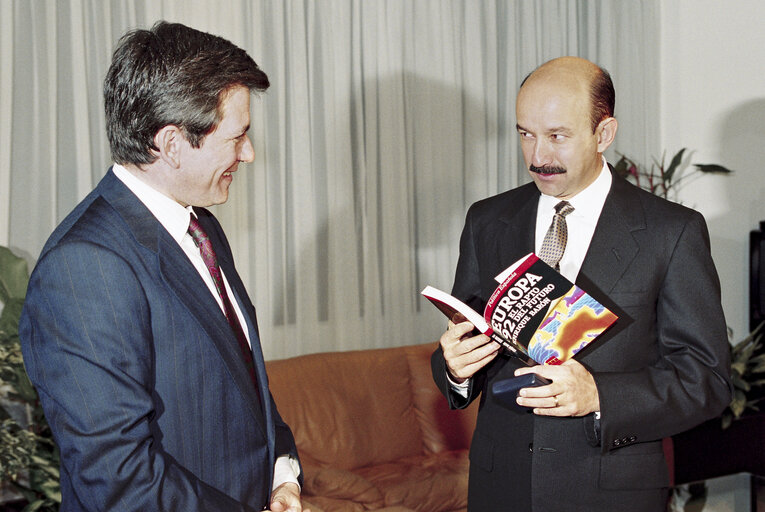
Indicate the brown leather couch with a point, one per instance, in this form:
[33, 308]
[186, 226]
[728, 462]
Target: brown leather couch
[373, 432]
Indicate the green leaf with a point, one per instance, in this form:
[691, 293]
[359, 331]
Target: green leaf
[35, 505]
[759, 358]
[737, 405]
[45, 466]
[740, 383]
[13, 275]
[9, 319]
[52, 490]
[739, 367]
[673, 165]
[713, 168]
[744, 350]
[759, 368]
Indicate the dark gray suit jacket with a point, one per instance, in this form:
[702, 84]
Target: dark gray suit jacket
[662, 368]
[139, 373]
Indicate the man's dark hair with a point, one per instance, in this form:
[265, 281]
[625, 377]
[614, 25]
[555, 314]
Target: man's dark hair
[170, 75]
[602, 97]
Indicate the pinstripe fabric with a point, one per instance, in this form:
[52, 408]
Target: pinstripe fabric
[145, 390]
[202, 241]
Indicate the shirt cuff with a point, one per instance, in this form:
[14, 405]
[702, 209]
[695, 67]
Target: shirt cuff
[286, 470]
[460, 389]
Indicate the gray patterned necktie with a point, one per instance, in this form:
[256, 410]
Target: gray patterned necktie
[554, 244]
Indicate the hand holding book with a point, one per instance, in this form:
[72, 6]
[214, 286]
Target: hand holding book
[536, 314]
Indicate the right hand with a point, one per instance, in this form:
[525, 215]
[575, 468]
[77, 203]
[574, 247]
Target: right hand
[465, 354]
[286, 498]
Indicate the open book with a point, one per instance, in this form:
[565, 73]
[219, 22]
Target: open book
[534, 313]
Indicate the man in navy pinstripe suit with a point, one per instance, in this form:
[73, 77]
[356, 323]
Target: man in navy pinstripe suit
[124, 335]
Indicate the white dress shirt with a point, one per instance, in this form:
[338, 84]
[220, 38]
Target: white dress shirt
[175, 219]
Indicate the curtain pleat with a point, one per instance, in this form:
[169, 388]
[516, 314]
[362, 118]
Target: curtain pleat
[6, 115]
[385, 120]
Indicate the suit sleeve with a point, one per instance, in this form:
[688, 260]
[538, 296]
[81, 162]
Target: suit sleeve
[87, 346]
[467, 288]
[690, 382]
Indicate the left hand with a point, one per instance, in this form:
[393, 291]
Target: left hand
[572, 391]
[286, 498]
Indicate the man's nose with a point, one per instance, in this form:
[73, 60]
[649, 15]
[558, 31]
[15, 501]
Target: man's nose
[247, 152]
[542, 155]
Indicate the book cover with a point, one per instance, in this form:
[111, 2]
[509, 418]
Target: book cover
[451, 306]
[534, 312]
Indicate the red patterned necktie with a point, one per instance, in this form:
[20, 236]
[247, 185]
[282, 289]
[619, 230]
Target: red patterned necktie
[211, 262]
[554, 244]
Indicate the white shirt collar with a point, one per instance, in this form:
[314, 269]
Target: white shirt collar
[169, 213]
[589, 202]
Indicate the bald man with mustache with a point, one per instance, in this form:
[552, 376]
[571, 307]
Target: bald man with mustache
[592, 438]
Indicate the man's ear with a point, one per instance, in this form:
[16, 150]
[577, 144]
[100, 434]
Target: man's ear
[168, 141]
[606, 132]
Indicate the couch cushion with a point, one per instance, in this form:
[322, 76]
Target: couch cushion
[425, 483]
[340, 484]
[323, 504]
[348, 409]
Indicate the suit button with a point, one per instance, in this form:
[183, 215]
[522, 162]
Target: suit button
[617, 442]
[633, 439]
[531, 447]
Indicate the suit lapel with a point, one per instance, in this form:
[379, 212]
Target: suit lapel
[226, 263]
[514, 238]
[188, 286]
[613, 246]
[248, 311]
[181, 277]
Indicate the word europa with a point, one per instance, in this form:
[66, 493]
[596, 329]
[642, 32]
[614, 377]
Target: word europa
[519, 304]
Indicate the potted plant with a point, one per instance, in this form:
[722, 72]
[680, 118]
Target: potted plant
[661, 179]
[29, 460]
[732, 443]
[747, 375]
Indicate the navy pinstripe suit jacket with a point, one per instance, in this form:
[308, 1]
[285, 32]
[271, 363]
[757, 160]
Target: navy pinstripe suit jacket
[138, 371]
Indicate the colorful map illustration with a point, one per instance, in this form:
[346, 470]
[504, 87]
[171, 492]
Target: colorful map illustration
[572, 323]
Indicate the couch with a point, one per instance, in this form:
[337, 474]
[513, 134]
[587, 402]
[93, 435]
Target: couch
[373, 432]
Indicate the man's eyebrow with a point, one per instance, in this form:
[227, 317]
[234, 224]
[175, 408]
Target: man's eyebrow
[559, 129]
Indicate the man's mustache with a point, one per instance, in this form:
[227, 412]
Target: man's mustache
[546, 170]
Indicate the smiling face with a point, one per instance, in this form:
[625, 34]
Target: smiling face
[205, 173]
[561, 152]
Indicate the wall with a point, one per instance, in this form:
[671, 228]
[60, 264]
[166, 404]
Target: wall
[713, 102]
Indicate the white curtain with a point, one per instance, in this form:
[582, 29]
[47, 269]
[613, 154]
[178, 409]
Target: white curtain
[384, 121]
